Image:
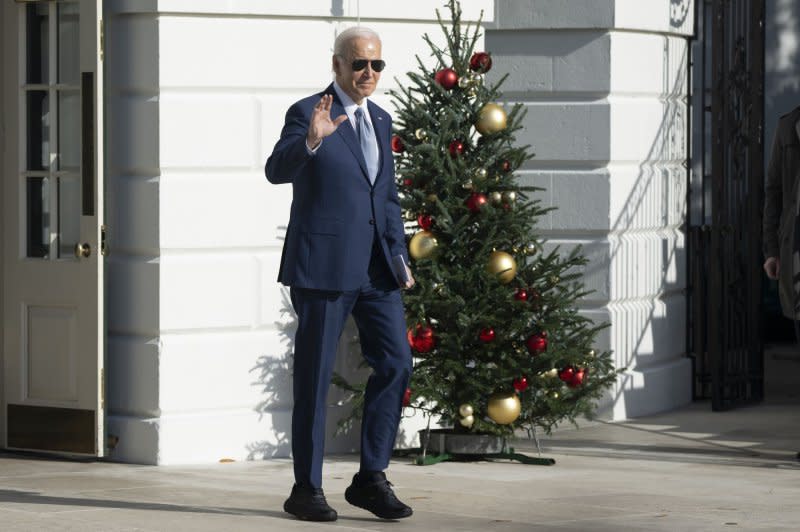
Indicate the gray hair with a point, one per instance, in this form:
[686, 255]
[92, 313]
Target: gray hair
[342, 40]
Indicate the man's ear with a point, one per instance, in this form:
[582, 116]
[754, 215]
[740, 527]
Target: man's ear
[335, 64]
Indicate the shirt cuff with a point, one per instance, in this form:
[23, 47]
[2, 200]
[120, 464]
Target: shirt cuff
[309, 150]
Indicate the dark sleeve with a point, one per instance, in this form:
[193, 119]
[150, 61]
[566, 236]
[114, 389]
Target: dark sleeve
[773, 202]
[289, 155]
[395, 233]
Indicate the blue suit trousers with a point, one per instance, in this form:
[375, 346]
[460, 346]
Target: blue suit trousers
[377, 308]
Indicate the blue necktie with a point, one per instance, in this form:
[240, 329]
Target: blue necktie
[368, 144]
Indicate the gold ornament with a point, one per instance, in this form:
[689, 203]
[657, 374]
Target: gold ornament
[496, 198]
[465, 410]
[467, 421]
[472, 92]
[591, 353]
[552, 373]
[467, 184]
[502, 265]
[481, 173]
[509, 196]
[421, 134]
[423, 245]
[476, 80]
[464, 82]
[554, 279]
[491, 119]
[504, 407]
[555, 395]
[530, 249]
[432, 198]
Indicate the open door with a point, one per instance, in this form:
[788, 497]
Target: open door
[52, 213]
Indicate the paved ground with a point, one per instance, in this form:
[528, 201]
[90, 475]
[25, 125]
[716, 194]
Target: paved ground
[687, 470]
[690, 469]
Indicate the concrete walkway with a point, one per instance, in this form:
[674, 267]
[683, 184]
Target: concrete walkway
[687, 470]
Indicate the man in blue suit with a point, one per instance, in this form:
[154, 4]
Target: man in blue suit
[344, 253]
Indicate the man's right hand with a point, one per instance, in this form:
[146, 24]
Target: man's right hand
[773, 267]
[321, 124]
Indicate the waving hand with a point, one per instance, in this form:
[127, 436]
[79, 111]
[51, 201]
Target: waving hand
[321, 123]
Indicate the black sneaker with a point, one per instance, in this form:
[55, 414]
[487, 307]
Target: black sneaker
[375, 494]
[309, 504]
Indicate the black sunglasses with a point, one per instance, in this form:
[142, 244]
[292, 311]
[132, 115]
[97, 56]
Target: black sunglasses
[361, 64]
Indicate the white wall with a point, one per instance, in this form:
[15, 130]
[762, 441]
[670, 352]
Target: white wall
[200, 332]
[604, 83]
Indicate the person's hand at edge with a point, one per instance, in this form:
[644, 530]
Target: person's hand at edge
[772, 266]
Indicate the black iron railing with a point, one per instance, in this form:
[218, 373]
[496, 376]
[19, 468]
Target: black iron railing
[725, 202]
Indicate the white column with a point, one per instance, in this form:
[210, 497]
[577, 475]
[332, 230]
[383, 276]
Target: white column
[605, 84]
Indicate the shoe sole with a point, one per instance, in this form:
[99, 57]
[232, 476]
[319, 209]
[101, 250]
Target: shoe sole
[373, 512]
[301, 517]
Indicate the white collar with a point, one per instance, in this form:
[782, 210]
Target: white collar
[348, 103]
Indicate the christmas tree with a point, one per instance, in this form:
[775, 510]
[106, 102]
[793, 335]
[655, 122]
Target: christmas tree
[497, 340]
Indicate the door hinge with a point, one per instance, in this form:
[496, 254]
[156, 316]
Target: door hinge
[103, 244]
[102, 40]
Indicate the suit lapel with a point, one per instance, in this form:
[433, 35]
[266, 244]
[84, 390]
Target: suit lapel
[346, 131]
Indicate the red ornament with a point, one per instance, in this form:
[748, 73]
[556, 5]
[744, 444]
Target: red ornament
[456, 148]
[537, 343]
[577, 378]
[521, 294]
[480, 62]
[487, 335]
[506, 166]
[407, 397]
[422, 340]
[397, 144]
[447, 78]
[567, 374]
[408, 181]
[520, 383]
[425, 221]
[476, 201]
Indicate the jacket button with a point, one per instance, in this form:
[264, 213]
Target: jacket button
[371, 222]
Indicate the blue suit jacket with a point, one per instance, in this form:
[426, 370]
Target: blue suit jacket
[335, 211]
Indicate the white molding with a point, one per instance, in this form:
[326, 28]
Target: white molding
[650, 16]
[307, 9]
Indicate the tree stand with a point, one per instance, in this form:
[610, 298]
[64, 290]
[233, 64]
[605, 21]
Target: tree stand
[445, 445]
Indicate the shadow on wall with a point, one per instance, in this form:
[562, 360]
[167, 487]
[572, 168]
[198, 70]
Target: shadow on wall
[782, 56]
[653, 264]
[274, 377]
